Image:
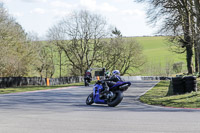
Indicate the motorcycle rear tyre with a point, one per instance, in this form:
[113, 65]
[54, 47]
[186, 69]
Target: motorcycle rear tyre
[89, 99]
[117, 99]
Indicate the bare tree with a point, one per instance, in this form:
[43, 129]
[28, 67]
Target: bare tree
[46, 66]
[80, 39]
[55, 37]
[122, 54]
[43, 59]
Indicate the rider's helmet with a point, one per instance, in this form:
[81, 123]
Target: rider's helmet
[89, 70]
[115, 72]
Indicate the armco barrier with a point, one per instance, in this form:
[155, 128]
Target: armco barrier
[132, 78]
[24, 81]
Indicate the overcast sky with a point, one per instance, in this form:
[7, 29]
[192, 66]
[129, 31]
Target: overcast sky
[39, 15]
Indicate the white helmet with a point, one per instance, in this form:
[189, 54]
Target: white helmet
[115, 72]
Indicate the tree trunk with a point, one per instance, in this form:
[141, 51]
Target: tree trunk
[196, 57]
[188, 42]
[197, 15]
[189, 59]
[60, 53]
[46, 73]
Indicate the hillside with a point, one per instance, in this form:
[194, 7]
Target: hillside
[158, 55]
[159, 60]
[156, 49]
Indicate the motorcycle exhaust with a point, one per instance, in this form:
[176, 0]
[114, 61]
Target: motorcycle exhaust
[124, 87]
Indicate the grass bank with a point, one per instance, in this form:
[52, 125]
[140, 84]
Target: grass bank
[159, 96]
[35, 88]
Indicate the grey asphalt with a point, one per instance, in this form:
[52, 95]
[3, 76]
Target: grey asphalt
[64, 111]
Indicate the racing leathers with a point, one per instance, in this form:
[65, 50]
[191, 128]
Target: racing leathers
[106, 83]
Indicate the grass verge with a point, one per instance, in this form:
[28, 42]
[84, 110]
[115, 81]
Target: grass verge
[35, 88]
[159, 96]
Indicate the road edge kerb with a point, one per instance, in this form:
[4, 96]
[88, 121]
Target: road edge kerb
[138, 99]
[181, 108]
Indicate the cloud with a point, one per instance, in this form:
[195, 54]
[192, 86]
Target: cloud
[89, 4]
[28, 1]
[61, 4]
[38, 11]
[5, 1]
[60, 13]
[17, 14]
[134, 12]
[107, 7]
[94, 6]
[34, 0]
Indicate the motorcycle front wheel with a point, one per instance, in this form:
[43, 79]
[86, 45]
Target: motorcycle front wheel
[117, 98]
[89, 99]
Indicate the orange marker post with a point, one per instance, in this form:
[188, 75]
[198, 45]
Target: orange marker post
[48, 82]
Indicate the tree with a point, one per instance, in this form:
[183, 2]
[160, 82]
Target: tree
[196, 12]
[15, 51]
[176, 18]
[55, 38]
[122, 54]
[88, 41]
[80, 37]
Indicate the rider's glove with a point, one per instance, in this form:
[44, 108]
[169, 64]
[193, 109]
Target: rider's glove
[100, 81]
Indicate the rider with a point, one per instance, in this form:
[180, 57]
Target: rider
[88, 75]
[107, 74]
[106, 83]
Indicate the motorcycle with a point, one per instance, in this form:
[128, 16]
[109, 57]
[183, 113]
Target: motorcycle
[113, 97]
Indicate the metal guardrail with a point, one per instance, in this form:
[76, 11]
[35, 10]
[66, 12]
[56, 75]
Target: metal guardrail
[24, 81]
[132, 78]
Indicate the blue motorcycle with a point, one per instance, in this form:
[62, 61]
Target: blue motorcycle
[113, 97]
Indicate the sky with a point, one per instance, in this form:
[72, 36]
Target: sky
[39, 15]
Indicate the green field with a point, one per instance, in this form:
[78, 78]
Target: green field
[157, 50]
[157, 55]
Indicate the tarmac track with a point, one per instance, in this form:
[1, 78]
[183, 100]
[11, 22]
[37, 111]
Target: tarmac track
[63, 110]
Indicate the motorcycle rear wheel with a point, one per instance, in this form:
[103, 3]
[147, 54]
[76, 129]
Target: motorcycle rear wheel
[89, 99]
[116, 100]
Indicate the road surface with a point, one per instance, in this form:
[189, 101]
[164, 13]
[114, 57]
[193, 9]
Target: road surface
[64, 111]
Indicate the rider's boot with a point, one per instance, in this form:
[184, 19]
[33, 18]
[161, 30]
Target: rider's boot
[106, 89]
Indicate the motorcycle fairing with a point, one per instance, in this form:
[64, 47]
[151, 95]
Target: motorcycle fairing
[96, 93]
